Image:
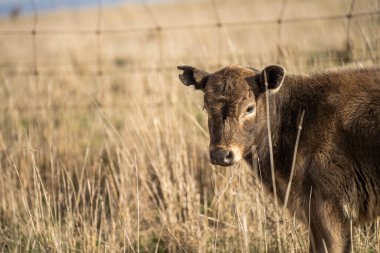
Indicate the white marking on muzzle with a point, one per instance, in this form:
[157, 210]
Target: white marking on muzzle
[237, 153]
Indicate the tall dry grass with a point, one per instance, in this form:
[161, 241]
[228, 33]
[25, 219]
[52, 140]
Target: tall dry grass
[119, 162]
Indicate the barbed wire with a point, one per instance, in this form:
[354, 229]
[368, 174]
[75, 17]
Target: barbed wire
[172, 27]
[98, 32]
[157, 28]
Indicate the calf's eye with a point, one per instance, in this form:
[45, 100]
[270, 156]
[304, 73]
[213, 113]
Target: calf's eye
[250, 109]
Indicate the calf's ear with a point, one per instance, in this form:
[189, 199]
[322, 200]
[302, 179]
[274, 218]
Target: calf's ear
[273, 75]
[193, 76]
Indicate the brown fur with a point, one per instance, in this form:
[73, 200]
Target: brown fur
[338, 160]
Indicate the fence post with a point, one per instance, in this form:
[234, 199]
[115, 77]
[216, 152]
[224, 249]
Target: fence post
[349, 47]
[99, 65]
[219, 27]
[158, 31]
[33, 33]
[280, 51]
[160, 47]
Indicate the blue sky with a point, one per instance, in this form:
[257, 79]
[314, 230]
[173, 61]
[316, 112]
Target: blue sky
[25, 6]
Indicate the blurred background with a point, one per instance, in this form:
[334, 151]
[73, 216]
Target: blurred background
[54, 37]
[103, 150]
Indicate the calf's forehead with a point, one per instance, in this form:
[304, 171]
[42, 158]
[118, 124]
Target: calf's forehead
[229, 83]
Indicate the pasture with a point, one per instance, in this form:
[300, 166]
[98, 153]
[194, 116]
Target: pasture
[104, 150]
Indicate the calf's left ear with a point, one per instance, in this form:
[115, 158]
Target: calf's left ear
[193, 76]
[273, 75]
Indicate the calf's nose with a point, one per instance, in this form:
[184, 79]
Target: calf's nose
[222, 157]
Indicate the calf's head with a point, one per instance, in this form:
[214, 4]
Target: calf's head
[232, 96]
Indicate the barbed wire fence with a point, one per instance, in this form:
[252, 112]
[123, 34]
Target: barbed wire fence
[158, 30]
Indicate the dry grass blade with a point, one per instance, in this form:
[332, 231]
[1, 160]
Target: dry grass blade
[164, 223]
[270, 145]
[159, 239]
[228, 183]
[98, 139]
[272, 169]
[299, 129]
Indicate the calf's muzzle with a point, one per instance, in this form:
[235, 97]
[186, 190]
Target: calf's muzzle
[222, 156]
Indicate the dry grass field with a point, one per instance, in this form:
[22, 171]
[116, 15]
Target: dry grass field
[105, 151]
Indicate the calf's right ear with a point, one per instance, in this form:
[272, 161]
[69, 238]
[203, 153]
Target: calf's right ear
[193, 76]
[273, 76]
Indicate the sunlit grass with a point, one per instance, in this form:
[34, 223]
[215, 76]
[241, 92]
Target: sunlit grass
[119, 162]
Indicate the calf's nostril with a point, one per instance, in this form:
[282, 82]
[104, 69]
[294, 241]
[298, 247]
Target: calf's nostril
[229, 157]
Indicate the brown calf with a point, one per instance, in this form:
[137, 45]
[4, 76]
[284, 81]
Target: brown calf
[336, 177]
